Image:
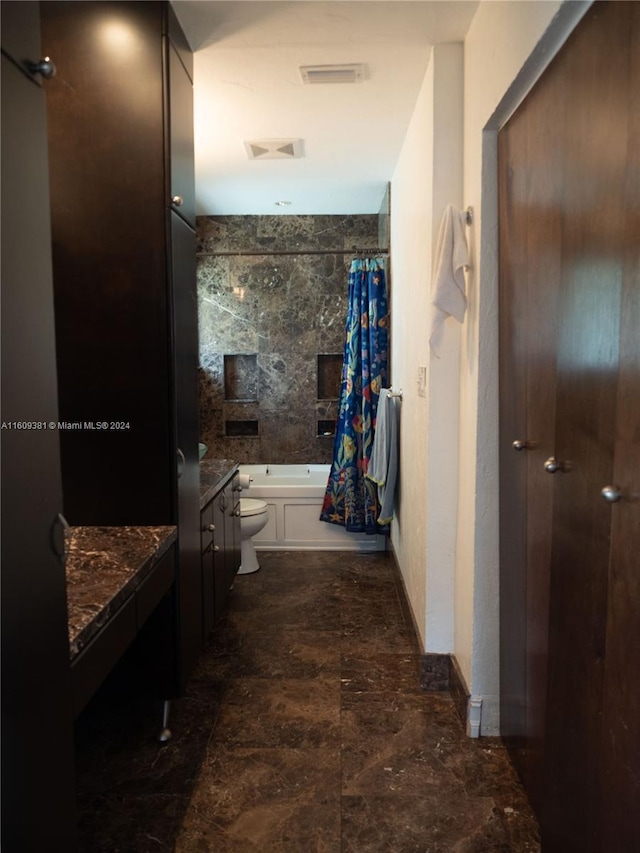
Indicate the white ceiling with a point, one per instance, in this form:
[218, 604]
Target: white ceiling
[248, 87]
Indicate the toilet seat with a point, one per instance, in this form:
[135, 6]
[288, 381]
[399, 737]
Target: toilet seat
[251, 506]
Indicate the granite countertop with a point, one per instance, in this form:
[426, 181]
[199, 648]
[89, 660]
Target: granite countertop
[104, 567]
[213, 473]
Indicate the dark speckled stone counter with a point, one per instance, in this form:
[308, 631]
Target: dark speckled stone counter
[213, 475]
[104, 566]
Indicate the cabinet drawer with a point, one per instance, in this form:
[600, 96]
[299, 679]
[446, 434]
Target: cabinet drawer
[94, 663]
[153, 588]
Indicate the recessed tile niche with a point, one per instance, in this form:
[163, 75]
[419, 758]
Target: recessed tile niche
[326, 428]
[241, 377]
[240, 429]
[329, 375]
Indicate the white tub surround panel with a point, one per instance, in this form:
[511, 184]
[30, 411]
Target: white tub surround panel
[294, 495]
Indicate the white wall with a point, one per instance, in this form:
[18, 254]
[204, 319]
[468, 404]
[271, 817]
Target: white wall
[411, 194]
[442, 398]
[447, 544]
[428, 176]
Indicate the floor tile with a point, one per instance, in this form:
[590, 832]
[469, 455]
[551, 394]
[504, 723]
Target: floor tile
[281, 713]
[265, 799]
[415, 824]
[304, 729]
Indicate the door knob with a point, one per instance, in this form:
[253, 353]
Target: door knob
[551, 466]
[44, 67]
[611, 494]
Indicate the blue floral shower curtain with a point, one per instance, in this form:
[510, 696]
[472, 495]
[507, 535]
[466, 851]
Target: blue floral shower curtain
[351, 500]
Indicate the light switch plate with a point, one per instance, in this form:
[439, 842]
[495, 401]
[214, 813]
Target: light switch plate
[422, 381]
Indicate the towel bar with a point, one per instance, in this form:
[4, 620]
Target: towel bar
[395, 393]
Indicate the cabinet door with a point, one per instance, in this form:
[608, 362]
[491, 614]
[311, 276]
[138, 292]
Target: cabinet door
[183, 194]
[185, 371]
[233, 552]
[229, 535]
[208, 588]
[109, 223]
[37, 729]
[219, 558]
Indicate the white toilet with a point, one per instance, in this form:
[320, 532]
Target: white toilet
[253, 517]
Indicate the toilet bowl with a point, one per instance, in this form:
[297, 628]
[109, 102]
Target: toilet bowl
[253, 517]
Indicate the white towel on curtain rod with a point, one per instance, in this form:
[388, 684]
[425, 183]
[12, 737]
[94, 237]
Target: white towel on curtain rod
[448, 297]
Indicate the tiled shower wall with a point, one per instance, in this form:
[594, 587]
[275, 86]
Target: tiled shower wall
[272, 332]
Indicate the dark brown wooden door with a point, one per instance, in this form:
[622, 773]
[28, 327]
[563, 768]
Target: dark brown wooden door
[621, 758]
[531, 181]
[570, 371]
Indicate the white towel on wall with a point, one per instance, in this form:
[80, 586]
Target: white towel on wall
[448, 286]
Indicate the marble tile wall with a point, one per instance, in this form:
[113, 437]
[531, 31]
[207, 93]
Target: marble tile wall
[283, 311]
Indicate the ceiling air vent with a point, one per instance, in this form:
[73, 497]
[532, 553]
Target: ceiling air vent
[315, 74]
[273, 149]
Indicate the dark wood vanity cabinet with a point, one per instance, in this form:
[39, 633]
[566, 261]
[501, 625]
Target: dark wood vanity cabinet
[120, 120]
[220, 542]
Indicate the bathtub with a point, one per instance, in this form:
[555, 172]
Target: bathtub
[294, 495]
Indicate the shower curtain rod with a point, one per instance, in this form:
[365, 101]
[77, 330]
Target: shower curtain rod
[295, 252]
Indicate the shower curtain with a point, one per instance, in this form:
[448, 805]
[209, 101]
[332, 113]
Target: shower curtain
[350, 499]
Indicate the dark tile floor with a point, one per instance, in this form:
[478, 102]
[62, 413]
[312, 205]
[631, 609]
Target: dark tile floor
[304, 729]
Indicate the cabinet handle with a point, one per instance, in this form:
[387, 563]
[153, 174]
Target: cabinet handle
[182, 463]
[236, 512]
[59, 538]
[177, 200]
[553, 465]
[209, 528]
[216, 548]
[518, 444]
[611, 494]
[45, 67]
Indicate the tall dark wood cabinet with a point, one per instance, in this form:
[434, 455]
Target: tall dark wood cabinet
[37, 721]
[569, 163]
[123, 211]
